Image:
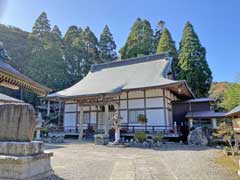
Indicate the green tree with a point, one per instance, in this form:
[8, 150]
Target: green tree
[56, 31]
[82, 53]
[139, 41]
[231, 97]
[73, 54]
[157, 34]
[166, 44]
[48, 67]
[107, 46]
[88, 43]
[41, 26]
[192, 63]
[72, 33]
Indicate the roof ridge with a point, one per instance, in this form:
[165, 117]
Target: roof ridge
[152, 57]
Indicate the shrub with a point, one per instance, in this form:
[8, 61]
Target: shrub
[158, 137]
[140, 136]
[226, 133]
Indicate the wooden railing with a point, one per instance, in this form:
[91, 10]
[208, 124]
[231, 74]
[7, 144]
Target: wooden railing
[125, 128]
[148, 129]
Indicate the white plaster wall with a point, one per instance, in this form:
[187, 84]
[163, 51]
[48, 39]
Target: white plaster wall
[100, 120]
[154, 92]
[85, 108]
[135, 103]
[123, 115]
[135, 94]
[170, 118]
[154, 102]
[123, 104]
[93, 117]
[123, 95]
[70, 107]
[93, 108]
[70, 119]
[167, 118]
[155, 117]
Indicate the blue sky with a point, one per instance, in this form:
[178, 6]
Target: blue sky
[215, 21]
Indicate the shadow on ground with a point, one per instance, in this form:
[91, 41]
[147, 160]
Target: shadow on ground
[49, 146]
[173, 147]
[54, 177]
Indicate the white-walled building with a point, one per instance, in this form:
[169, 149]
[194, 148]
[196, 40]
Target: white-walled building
[134, 86]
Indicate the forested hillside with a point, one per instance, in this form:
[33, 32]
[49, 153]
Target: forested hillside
[226, 95]
[58, 61]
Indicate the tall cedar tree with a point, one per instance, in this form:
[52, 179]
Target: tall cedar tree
[57, 31]
[47, 64]
[87, 46]
[192, 62]
[107, 46]
[73, 54]
[72, 33]
[157, 35]
[166, 44]
[139, 41]
[41, 26]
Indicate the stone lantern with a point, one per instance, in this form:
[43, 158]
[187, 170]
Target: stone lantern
[117, 126]
[39, 122]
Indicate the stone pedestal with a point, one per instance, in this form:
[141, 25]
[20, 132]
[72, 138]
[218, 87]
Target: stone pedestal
[24, 161]
[56, 137]
[20, 157]
[117, 134]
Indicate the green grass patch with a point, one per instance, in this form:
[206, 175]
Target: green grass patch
[230, 162]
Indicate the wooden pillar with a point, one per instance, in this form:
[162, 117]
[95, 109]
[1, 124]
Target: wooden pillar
[81, 123]
[190, 122]
[214, 123]
[106, 118]
[165, 108]
[21, 93]
[48, 108]
[59, 112]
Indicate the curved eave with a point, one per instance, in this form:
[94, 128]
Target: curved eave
[16, 80]
[186, 92]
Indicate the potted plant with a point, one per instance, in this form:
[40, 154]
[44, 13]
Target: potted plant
[140, 137]
[158, 137]
[101, 139]
[141, 118]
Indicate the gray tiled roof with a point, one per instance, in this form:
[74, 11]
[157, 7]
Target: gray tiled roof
[205, 114]
[114, 77]
[5, 98]
[9, 68]
[234, 111]
[197, 100]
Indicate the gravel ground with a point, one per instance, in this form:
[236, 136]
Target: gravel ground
[86, 161]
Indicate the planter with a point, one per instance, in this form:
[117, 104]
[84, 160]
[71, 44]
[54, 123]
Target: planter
[101, 139]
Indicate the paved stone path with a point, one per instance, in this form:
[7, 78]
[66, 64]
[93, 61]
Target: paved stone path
[86, 161]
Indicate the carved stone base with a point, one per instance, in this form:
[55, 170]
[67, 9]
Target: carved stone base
[21, 148]
[24, 161]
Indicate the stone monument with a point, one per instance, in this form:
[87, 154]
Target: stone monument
[20, 157]
[197, 137]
